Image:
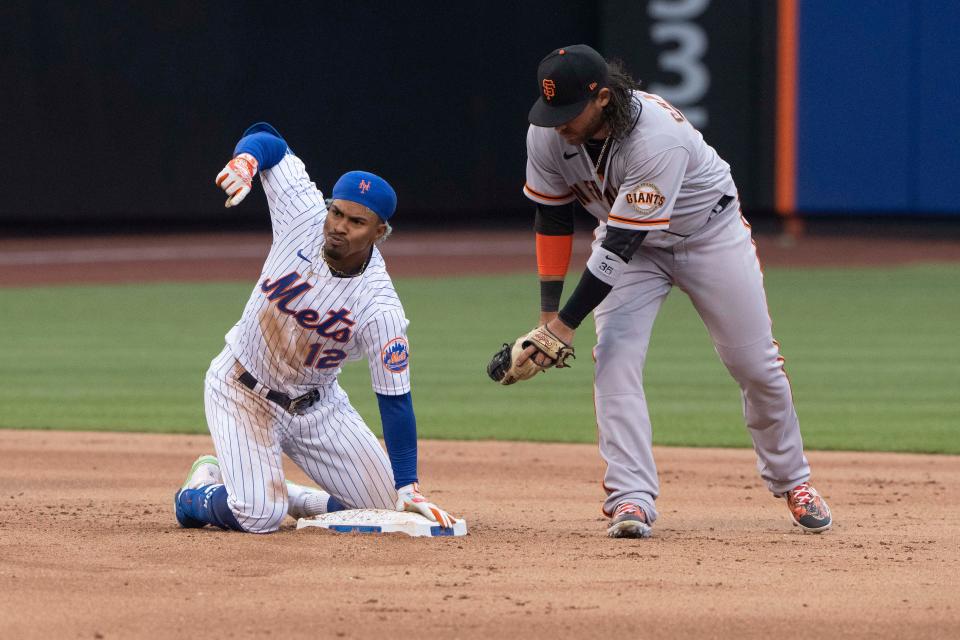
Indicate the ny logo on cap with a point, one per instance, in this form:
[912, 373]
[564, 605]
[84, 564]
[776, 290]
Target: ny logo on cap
[549, 88]
[364, 185]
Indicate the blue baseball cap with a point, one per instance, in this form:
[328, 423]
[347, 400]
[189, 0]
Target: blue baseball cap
[367, 189]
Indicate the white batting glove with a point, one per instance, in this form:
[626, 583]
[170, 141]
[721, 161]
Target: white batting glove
[237, 178]
[410, 499]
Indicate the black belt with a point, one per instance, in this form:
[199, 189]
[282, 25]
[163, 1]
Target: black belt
[721, 205]
[717, 208]
[298, 405]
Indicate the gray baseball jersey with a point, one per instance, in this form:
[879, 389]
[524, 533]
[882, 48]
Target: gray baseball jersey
[663, 178]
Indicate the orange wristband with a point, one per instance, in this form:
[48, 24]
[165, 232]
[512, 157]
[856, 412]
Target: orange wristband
[553, 254]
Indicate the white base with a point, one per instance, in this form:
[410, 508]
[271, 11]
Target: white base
[382, 521]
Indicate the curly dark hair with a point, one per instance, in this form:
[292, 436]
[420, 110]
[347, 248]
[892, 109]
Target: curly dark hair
[621, 112]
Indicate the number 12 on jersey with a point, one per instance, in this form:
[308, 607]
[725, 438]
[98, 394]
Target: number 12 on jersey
[330, 358]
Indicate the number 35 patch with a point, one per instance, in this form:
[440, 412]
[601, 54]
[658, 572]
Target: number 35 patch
[396, 356]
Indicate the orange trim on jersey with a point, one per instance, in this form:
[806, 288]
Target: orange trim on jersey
[785, 168]
[639, 223]
[527, 188]
[553, 254]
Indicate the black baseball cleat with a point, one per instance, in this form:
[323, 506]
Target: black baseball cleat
[629, 521]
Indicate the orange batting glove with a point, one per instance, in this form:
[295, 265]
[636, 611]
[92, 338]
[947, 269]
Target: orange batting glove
[237, 178]
[410, 499]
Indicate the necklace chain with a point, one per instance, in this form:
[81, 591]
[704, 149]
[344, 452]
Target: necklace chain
[342, 274]
[596, 167]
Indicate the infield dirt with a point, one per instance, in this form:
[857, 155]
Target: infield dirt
[91, 550]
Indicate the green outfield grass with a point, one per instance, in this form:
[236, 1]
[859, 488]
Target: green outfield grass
[873, 355]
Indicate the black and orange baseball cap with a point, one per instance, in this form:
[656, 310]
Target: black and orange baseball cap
[568, 78]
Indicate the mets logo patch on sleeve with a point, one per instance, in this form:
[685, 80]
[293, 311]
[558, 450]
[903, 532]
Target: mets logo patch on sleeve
[646, 198]
[396, 356]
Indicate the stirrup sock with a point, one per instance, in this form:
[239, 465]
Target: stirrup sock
[208, 504]
[334, 505]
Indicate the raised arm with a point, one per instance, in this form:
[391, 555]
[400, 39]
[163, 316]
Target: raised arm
[290, 192]
[260, 149]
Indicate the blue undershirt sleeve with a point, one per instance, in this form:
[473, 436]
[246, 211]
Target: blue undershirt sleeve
[400, 436]
[264, 143]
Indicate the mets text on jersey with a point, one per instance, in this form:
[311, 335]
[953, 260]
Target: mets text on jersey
[283, 291]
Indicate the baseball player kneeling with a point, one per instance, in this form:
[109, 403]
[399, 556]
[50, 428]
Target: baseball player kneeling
[323, 297]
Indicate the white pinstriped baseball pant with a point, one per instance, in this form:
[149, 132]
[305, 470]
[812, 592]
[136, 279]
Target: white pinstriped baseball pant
[331, 443]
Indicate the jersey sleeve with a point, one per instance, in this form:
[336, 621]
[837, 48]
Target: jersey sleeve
[384, 339]
[264, 143]
[649, 191]
[544, 183]
[290, 193]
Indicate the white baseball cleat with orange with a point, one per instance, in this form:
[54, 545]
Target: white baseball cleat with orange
[629, 521]
[808, 509]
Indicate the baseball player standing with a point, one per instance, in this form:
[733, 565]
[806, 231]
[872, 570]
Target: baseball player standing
[668, 216]
[323, 297]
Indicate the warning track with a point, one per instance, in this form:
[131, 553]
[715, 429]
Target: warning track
[239, 256]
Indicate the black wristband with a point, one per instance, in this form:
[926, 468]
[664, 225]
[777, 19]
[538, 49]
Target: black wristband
[550, 291]
[589, 293]
[623, 242]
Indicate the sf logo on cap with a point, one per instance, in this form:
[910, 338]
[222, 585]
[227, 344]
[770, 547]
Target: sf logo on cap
[549, 88]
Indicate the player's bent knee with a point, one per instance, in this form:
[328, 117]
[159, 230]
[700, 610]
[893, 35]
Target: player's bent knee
[762, 379]
[755, 366]
[262, 527]
[264, 519]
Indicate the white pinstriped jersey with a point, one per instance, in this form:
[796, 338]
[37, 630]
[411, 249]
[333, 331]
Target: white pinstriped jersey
[663, 178]
[301, 323]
